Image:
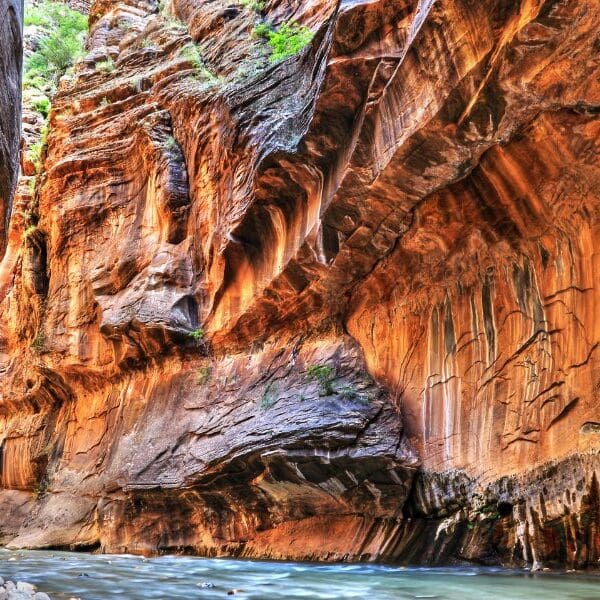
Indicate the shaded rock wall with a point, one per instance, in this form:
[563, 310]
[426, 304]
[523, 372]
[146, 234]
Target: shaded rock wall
[415, 195]
[10, 94]
[248, 448]
[496, 361]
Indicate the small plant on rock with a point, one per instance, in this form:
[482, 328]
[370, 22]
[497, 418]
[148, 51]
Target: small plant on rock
[29, 231]
[197, 334]
[324, 375]
[38, 491]
[124, 25]
[35, 151]
[105, 66]
[255, 5]
[490, 512]
[191, 54]
[38, 343]
[42, 105]
[263, 30]
[171, 143]
[347, 392]
[204, 375]
[269, 397]
[286, 40]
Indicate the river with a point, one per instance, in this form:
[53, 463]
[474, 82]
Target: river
[66, 575]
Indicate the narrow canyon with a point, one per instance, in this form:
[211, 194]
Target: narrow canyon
[304, 280]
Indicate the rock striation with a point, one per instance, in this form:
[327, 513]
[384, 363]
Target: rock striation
[10, 93]
[337, 306]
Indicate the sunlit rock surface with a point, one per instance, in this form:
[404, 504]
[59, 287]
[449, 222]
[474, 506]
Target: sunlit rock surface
[412, 201]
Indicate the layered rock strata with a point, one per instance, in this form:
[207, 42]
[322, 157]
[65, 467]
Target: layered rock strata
[415, 194]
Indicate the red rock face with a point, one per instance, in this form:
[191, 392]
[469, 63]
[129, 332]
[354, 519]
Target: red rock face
[414, 194]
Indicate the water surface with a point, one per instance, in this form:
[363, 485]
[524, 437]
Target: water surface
[66, 575]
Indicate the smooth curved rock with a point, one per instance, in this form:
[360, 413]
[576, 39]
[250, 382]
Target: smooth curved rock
[422, 177]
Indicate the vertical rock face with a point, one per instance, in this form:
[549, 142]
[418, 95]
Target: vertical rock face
[341, 305]
[10, 94]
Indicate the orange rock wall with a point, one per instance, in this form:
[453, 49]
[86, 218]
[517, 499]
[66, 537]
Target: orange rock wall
[484, 317]
[410, 203]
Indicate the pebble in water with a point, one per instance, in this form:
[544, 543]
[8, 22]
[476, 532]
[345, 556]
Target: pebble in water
[206, 584]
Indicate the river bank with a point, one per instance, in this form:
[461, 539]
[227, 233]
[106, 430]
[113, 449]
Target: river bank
[9, 590]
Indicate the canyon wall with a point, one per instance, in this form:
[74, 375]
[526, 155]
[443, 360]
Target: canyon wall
[337, 306]
[10, 94]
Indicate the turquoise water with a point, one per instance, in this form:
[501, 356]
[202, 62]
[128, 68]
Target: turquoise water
[98, 577]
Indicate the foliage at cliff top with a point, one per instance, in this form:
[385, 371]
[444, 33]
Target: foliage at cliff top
[61, 43]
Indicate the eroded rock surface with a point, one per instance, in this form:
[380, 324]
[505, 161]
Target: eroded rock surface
[241, 455]
[10, 114]
[415, 194]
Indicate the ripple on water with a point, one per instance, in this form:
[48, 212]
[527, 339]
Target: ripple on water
[135, 578]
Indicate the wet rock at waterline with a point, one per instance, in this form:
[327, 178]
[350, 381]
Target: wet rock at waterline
[20, 591]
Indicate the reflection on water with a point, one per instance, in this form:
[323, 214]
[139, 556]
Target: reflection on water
[97, 577]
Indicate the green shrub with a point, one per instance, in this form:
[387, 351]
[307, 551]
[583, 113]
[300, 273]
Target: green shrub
[324, 376]
[148, 43]
[262, 31]
[106, 66]
[34, 153]
[490, 512]
[173, 22]
[255, 5]
[191, 54]
[286, 40]
[197, 334]
[42, 105]
[33, 80]
[61, 44]
[124, 25]
[29, 231]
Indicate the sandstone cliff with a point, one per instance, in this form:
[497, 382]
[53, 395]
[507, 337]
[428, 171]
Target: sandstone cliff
[10, 94]
[341, 305]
